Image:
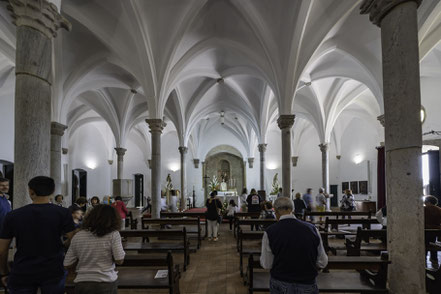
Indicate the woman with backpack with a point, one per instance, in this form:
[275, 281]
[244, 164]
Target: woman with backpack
[213, 214]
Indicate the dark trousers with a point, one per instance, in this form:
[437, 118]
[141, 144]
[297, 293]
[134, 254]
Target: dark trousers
[433, 254]
[230, 221]
[53, 286]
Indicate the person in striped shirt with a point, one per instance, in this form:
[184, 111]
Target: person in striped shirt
[97, 248]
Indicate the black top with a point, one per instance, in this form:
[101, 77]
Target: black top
[294, 244]
[299, 205]
[254, 203]
[213, 205]
[38, 229]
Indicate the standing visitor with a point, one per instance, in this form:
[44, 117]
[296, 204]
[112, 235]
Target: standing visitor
[254, 201]
[122, 210]
[213, 213]
[292, 271]
[96, 248]
[432, 220]
[280, 193]
[320, 201]
[243, 199]
[231, 211]
[59, 200]
[307, 197]
[5, 205]
[299, 205]
[37, 229]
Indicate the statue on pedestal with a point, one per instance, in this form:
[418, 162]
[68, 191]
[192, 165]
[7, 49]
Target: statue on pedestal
[223, 186]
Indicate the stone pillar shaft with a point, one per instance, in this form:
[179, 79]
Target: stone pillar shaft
[325, 166]
[120, 152]
[183, 151]
[285, 123]
[57, 131]
[262, 149]
[37, 22]
[403, 140]
[156, 127]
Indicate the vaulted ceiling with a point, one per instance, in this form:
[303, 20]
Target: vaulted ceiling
[188, 60]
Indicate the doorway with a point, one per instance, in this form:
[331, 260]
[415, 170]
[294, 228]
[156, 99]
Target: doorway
[79, 183]
[334, 200]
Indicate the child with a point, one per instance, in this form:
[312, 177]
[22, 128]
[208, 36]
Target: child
[121, 208]
[231, 210]
[266, 213]
[77, 215]
[97, 247]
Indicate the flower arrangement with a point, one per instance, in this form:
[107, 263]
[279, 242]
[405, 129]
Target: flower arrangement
[214, 184]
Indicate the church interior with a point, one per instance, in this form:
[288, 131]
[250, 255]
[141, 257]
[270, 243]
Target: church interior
[162, 102]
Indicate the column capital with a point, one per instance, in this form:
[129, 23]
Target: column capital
[156, 125]
[57, 129]
[38, 14]
[378, 9]
[381, 119]
[250, 162]
[120, 151]
[324, 147]
[196, 162]
[286, 121]
[294, 160]
[64, 151]
[183, 150]
[262, 147]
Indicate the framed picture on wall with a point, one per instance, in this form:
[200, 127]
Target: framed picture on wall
[344, 186]
[363, 186]
[354, 187]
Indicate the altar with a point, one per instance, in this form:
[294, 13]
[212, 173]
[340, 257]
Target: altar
[227, 196]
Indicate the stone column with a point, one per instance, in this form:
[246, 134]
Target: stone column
[156, 127]
[285, 123]
[325, 166]
[262, 149]
[37, 22]
[403, 140]
[57, 131]
[120, 152]
[183, 151]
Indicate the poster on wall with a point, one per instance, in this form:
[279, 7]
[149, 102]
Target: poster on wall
[344, 186]
[354, 187]
[363, 185]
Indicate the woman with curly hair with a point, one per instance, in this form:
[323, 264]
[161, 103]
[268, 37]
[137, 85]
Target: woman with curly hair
[96, 248]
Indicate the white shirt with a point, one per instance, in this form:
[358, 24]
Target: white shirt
[381, 219]
[267, 256]
[232, 210]
[95, 256]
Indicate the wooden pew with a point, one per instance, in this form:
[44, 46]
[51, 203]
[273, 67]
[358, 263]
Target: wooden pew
[187, 222]
[136, 273]
[337, 214]
[433, 280]
[151, 247]
[347, 281]
[256, 222]
[354, 247]
[190, 214]
[243, 215]
[247, 236]
[131, 221]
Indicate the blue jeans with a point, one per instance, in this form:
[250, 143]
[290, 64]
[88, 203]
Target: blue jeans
[53, 286]
[279, 287]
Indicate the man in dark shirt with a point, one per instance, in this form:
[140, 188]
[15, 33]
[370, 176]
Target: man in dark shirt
[37, 229]
[5, 206]
[432, 220]
[293, 250]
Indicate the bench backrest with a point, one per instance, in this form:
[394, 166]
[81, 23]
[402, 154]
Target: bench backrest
[171, 221]
[365, 222]
[154, 233]
[182, 214]
[337, 213]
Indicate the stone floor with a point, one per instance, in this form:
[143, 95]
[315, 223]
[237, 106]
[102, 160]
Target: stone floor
[213, 269]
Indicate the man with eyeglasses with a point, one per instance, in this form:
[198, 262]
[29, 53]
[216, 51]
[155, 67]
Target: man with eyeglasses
[5, 205]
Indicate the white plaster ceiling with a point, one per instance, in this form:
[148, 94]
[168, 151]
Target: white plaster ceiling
[320, 60]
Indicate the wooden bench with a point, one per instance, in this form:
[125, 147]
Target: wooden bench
[433, 280]
[192, 225]
[337, 214]
[247, 236]
[190, 214]
[255, 222]
[135, 273]
[354, 247]
[347, 281]
[131, 221]
[243, 215]
[182, 245]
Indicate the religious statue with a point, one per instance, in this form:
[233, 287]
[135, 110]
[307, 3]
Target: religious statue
[169, 185]
[223, 186]
[275, 185]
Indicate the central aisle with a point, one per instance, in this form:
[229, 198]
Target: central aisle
[214, 268]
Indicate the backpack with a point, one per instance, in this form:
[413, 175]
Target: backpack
[255, 200]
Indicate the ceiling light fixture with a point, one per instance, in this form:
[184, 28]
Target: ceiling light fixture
[222, 117]
[220, 80]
